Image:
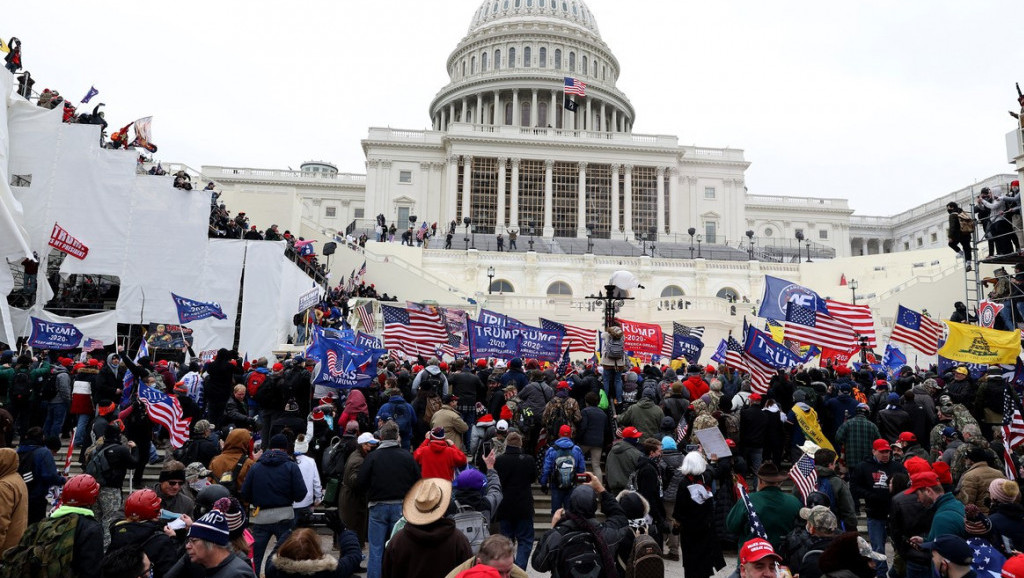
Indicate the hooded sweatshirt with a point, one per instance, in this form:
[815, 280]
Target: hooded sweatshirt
[235, 446]
[438, 459]
[426, 551]
[274, 481]
[13, 500]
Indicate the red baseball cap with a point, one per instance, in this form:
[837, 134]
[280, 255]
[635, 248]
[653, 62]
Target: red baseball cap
[922, 480]
[631, 432]
[563, 385]
[564, 431]
[755, 397]
[757, 549]
[730, 443]
[880, 445]
[1014, 567]
[907, 437]
[915, 464]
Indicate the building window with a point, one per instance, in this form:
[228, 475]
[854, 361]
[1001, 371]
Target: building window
[935, 237]
[768, 232]
[511, 57]
[543, 57]
[483, 62]
[729, 294]
[472, 65]
[21, 180]
[497, 60]
[560, 288]
[823, 234]
[584, 68]
[709, 192]
[595, 69]
[906, 245]
[405, 176]
[711, 232]
[572, 62]
[508, 113]
[604, 72]
[920, 242]
[463, 67]
[502, 286]
[331, 212]
[558, 59]
[518, 3]
[542, 114]
[524, 114]
[527, 55]
[672, 291]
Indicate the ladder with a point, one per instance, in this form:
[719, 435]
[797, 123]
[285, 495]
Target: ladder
[973, 289]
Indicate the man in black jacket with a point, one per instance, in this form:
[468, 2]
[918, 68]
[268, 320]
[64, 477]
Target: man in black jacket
[466, 386]
[753, 425]
[387, 475]
[517, 472]
[870, 481]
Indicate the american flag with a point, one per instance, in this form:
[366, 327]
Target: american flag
[761, 374]
[580, 340]
[129, 378]
[365, 313]
[668, 342]
[1013, 432]
[165, 411]
[91, 344]
[565, 367]
[453, 348]
[804, 476]
[756, 527]
[685, 330]
[806, 325]
[988, 561]
[415, 330]
[858, 317]
[734, 356]
[359, 274]
[574, 86]
[917, 331]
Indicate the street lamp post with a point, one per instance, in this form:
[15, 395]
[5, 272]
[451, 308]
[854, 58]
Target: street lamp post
[699, 239]
[808, 251]
[799, 240]
[611, 303]
[750, 244]
[466, 221]
[532, 225]
[643, 240]
[853, 287]
[691, 231]
[490, 280]
[590, 240]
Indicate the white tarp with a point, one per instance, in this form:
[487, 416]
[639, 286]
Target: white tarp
[260, 333]
[102, 326]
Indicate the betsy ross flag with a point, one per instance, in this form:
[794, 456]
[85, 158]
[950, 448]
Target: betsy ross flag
[416, 330]
[917, 331]
[858, 317]
[365, 313]
[804, 476]
[165, 411]
[129, 377]
[806, 325]
[1013, 432]
[756, 527]
[574, 86]
[580, 340]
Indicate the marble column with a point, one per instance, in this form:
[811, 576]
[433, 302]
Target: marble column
[514, 194]
[452, 189]
[581, 202]
[516, 120]
[444, 124]
[659, 180]
[451, 112]
[479, 112]
[499, 217]
[467, 185]
[533, 110]
[670, 186]
[464, 116]
[627, 202]
[497, 113]
[549, 191]
[615, 120]
[553, 110]
[589, 121]
[602, 125]
[616, 224]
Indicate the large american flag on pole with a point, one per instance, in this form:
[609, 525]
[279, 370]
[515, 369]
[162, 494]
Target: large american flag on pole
[574, 86]
[580, 340]
[1013, 432]
[687, 331]
[734, 355]
[804, 476]
[761, 374]
[416, 330]
[917, 331]
[366, 318]
[858, 317]
[165, 411]
[808, 326]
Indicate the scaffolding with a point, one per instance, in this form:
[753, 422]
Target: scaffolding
[1003, 247]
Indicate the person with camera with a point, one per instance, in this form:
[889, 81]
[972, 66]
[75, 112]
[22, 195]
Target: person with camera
[562, 463]
[575, 528]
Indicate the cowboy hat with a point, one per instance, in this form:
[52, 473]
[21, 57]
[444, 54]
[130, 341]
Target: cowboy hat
[770, 473]
[427, 501]
[809, 447]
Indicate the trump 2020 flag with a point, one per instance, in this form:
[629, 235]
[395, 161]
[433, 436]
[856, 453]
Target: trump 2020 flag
[973, 344]
[192, 310]
[50, 335]
[779, 292]
[88, 95]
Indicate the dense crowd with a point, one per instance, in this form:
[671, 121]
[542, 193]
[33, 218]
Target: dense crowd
[431, 469]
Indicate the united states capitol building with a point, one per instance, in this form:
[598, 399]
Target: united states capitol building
[585, 194]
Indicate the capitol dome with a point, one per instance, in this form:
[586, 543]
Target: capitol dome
[510, 70]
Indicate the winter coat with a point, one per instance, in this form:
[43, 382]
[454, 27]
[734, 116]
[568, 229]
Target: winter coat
[236, 445]
[13, 500]
[722, 474]
[517, 472]
[1008, 522]
[87, 555]
[236, 413]
[672, 460]
[274, 481]
[616, 364]
[594, 428]
[614, 530]
[535, 396]
[892, 421]
[467, 387]
[696, 386]
[107, 381]
[648, 485]
[948, 518]
[81, 391]
[839, 409]
[439, 459]
[219, 378]
[974, 485]
[698, 539]
[163, 551]
[753, 424]
[675, 406]
[427, 551]
[453, 424]
[843, 508]
[869, 481]
[777, 511]
[485, 502]
[387, 473]
[561, 444]
[644, 416]
[326, 567]
[44, 470]
[621, 462]
[908, 517]
[404, 415]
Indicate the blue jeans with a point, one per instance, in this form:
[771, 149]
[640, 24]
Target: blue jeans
[55, 414]
[754, 458]
[83, 437]
[876, 535]
[608, 375]
[382, 518]
[919, 571]
[521, 531]
[261, 533]
[558, 498]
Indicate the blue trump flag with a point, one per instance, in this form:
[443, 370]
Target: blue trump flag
[778, 293]
[719, 355]
[488, 317]
[50, 335]
[341, 368]
[487, 340]
[893, 360]
[688, 347]
[192, 310]
[539, 344]
[762, 347]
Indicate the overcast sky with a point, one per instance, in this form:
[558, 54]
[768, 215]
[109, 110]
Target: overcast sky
[888, 104]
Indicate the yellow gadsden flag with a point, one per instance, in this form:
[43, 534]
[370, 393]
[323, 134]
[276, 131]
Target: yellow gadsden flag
[972, 344]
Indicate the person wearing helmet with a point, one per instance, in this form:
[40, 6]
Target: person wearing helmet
[142, 528]
[74, 514]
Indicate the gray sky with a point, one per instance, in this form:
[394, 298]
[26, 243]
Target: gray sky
[889, 104]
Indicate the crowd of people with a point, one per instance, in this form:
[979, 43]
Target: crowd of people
[430, 471]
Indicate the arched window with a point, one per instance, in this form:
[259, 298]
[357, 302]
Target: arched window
[542, 114]
[527, 55]
[543, 57]
[508, 113]
[472, 65]
[511, 57]
[558, 59]
[672, 291]
[497, 60]
[463, 67]
[483, 62]
[729, 294]
[524, 114]
[505, 6]
[604, 72]
[595, 69]
[584, 68]
[541, 3]
[574, 12]
[572, 61]
[529, 3]
[560, 288]
[502, 286]
[518, 3]
[565, 6]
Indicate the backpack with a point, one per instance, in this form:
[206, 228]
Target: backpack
[252, 385]
[966, 222]
[565, 469]
[645, 559]
[431, 381]
[525, 418]
[48, 389]
[99, 466]
[616, 349]
[812, 395]
[187, 453]
[579, 556]
[472, 524]
[44, 551]
[559, 417]
[825, 487]
[21, 387]
[229, 479]
[25, 467]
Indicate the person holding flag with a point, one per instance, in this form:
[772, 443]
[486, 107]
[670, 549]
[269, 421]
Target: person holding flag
[805, 425]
